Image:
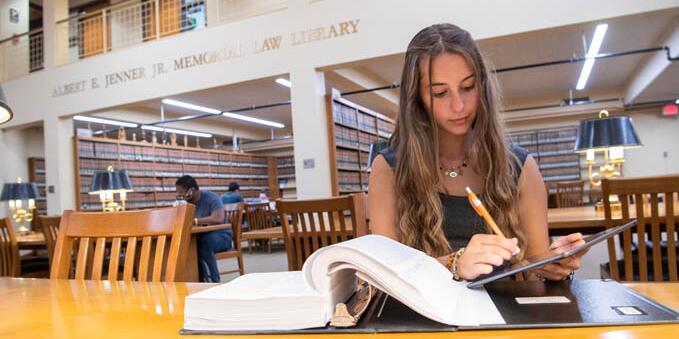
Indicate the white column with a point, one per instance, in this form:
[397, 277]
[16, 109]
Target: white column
[309, 124]
[14, 163]
[55, 39]
[59, 164]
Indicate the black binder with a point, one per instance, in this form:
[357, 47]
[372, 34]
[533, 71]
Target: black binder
[591, 303]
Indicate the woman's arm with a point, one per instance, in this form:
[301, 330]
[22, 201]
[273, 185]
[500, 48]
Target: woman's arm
[533, 208]
[533, 219]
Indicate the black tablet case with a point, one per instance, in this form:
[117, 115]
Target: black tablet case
[593, 303]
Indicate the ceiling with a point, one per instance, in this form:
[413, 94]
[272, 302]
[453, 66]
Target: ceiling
[521, 88]
[609, 76]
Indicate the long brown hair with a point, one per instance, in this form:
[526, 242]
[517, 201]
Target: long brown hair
[415, 141]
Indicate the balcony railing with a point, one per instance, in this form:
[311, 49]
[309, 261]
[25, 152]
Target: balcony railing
[21, 54]
[124, 24]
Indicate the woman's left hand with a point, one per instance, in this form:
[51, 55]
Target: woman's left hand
[561, 269]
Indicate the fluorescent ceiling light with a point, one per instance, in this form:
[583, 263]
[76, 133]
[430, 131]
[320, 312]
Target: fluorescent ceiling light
[284, 82]
[592, 52]
[255, 120]
[178, 131]
[104, 121]
[191, 106]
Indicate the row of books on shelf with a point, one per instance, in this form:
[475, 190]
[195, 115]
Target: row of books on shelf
[143, 153]
[385, 128]
[347, 159]
[286, 162]
[365, 140]
[344, 114]
[286, 171]
[346, 137]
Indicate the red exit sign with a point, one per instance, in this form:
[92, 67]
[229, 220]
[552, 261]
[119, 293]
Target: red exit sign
[670, 110]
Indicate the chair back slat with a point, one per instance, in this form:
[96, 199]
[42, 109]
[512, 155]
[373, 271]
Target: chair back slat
[311, 224]
[259, 216]
[158, 260]
[144, 260]
[140, 237]
[98, 263]
[641, 235]
[49, 225]
[234, 216]
[655, 238]
[649, 249]
[569, 193]
[81, 263]
[10, 264]
[671, 242]
[130, 252]
[114, 261]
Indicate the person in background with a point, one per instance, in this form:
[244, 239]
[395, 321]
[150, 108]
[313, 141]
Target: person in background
[233, 195]
[209, 211]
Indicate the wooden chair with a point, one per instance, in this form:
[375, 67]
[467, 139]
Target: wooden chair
[317, 223]
[49, 224]
[261, 225]
[111, 231]
[9, 250]
[570, 193]
[234, 215]
[651, 197]
[11, 263]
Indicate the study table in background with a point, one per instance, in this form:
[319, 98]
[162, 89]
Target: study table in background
[69, 308]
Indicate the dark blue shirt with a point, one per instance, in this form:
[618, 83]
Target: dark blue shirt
[207, 203]
[231, 198]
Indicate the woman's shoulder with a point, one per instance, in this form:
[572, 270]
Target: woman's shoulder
[520, 152]
[382, 148]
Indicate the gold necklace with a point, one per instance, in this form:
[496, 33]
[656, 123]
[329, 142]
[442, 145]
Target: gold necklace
[455, 170]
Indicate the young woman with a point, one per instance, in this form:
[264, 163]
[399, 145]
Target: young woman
[449, 136]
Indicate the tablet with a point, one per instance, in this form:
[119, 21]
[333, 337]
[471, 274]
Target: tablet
[550, 256]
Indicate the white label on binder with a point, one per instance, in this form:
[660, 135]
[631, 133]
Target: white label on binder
[542, 300]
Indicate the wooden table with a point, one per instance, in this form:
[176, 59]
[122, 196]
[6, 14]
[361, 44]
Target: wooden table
[68, 308]
[586, 220]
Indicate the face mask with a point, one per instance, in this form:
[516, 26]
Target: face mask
[185, 197]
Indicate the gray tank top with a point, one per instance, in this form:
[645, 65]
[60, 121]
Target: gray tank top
[460, 221]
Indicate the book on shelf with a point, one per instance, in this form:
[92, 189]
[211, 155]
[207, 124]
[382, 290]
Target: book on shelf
[262, 301]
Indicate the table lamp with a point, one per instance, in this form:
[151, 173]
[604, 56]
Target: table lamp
[5, 112]
[106, 184]
[16, 193]
[610, 135]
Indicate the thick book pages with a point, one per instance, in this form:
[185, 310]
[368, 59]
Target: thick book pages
[275, 301]
[307, 299]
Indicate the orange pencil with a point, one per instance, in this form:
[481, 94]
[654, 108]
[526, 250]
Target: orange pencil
[483, 212]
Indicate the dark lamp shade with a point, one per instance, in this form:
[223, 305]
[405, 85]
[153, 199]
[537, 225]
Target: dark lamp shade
[602, 133]
[5, 112]
[110, 180]
[19, 191]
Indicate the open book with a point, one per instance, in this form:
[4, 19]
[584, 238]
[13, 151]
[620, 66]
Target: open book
[307, 299]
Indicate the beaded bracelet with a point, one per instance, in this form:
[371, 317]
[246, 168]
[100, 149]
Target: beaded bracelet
[453, 266]
[449, 261]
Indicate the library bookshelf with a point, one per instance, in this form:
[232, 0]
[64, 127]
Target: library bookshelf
[352, 129]
[36, 175]
[154, 169]
[286, 177]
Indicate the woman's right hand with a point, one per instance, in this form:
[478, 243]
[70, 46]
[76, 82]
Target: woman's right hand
[482, 253]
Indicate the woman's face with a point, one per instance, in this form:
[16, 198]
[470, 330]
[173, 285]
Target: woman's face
[455, 93]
